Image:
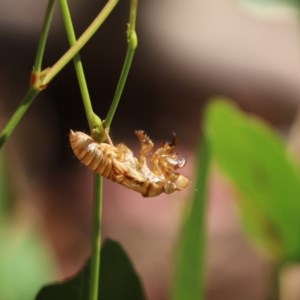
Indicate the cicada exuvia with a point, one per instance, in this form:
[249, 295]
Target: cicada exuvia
[151, 173]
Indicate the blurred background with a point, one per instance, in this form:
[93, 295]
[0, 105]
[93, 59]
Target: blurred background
[188, 52]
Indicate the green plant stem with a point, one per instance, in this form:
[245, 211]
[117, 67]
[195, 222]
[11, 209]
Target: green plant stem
[4, 187]
[93, 120]
[33, 91]
[18, 114]
[132, 15]
[82, 40]
[44, 36]
[275, 282]
[56, 68]
[132, 41]
[97, 203]
[96, 238]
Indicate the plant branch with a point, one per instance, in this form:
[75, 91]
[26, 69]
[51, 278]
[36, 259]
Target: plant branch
[96, 238]
[132, 41]
[34, 90]
[44, 36]
[275, 282]
[18, 114]
[82, 40]
[93, 120]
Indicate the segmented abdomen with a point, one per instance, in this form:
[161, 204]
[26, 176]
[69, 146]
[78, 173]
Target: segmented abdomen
[94, 155]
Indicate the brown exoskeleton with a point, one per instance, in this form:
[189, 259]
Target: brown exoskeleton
[147, 174]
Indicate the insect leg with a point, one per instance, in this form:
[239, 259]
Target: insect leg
[146, 147]
[108, 137]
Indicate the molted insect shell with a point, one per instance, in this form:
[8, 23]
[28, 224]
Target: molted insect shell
[120, 165]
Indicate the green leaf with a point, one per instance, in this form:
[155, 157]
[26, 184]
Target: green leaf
[256, 160]
[118, 279]
[189, 269]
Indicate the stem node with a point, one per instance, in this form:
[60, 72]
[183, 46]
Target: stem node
[36, 79]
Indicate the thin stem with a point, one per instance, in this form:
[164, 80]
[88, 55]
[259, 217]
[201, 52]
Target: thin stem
[93, 120]
[275, 282]
[132, 15]
[44, 36]
[83, 39]
[4, 186]
[18, 114]
[41, 79]
[132, 41]
[96, 238]
[33, 91]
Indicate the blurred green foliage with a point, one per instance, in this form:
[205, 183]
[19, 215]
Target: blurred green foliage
[274, 2]
[255, 158]
[25, 262]
[190, 263]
